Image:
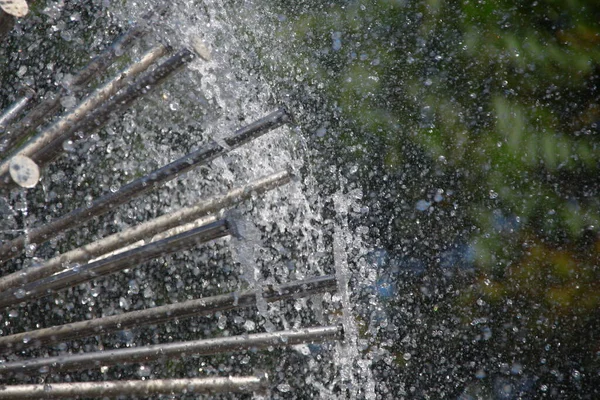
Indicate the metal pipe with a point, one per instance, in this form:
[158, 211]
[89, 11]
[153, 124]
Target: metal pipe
[241, 384]
[72, 277]
[142, 185]
[101, 62]
[142, 231]
[67, 125]
[165, 351]
[157, 315]
[20, 131]
[120, 102]
[51, 104]
[206, 220]
[14, 110]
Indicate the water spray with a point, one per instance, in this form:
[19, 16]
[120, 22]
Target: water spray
[25, 155]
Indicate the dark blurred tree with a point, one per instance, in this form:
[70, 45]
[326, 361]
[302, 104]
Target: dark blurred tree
[472, 128]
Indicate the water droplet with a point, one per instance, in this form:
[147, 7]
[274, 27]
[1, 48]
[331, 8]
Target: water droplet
[337, 40]
[124, 303]
[144, 371]
[67, 36]
[68, 102]
[249, 325]
[134, 288]
[516, 369]
[422, 205]
[284, 387]
[222, 322]
[148, 293]
[68, 145]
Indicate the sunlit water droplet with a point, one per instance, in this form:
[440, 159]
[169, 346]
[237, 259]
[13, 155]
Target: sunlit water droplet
[68, 102]
[222, 322]
[68, 146]
[144, 371]
[422, 205]
[249, 326]
[284, 387]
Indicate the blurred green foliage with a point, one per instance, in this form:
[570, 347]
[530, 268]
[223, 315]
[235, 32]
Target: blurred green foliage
[495, 105]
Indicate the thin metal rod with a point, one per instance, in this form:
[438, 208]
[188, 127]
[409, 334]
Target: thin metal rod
[72, 277]
[258, 128]
[209, 219]
[119, 103]
[242, 384]
[165, 351]
[51, 104]
[143, 231]
[157, 315]
[67, 125]
[20, 131]
[144, 184]
[14, 110]
[101, 62]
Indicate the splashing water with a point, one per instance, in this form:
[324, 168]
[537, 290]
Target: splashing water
[356, 373]
[284, 235]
